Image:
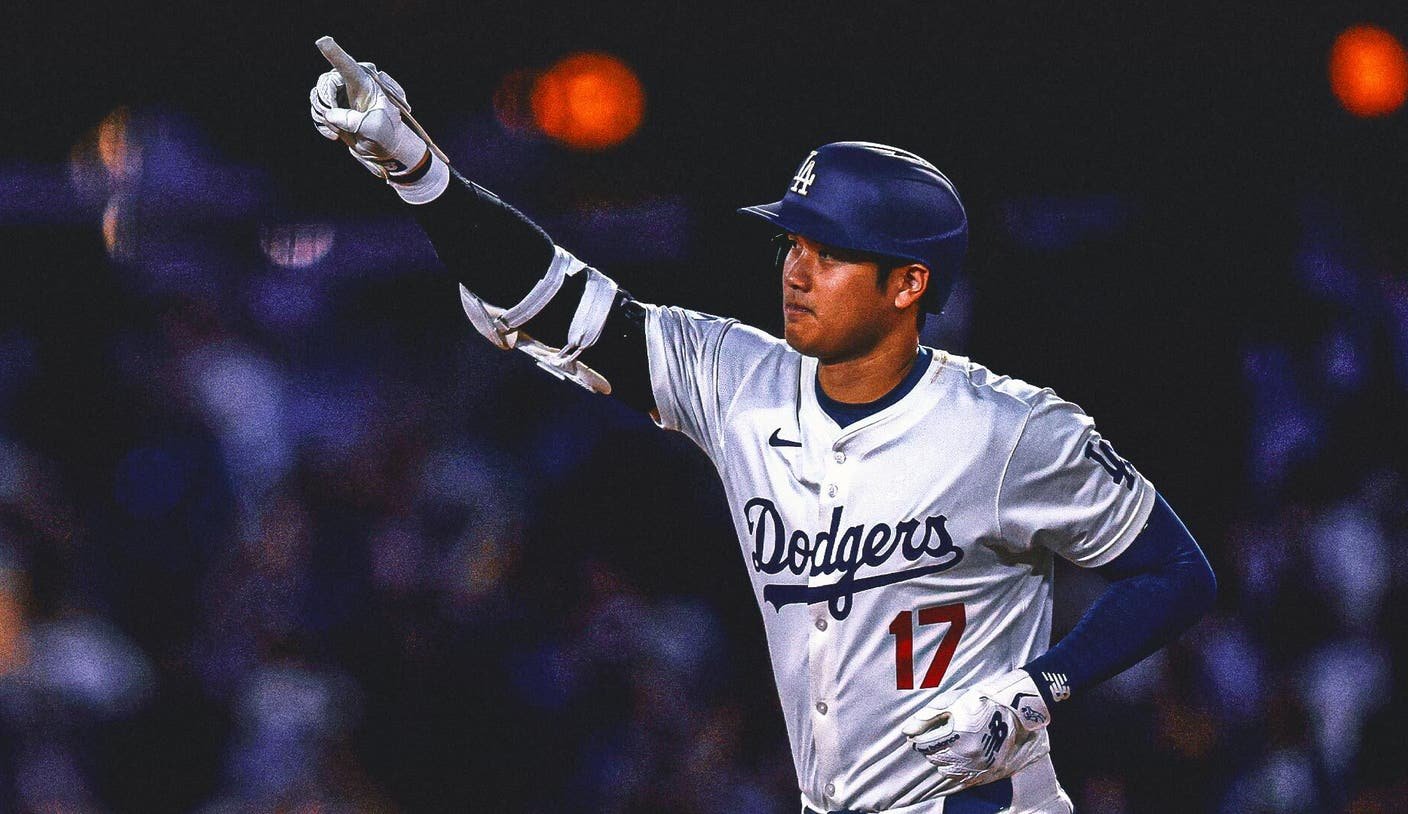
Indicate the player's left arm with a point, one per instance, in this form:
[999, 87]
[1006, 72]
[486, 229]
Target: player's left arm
[1064, 488]
[1160, 585]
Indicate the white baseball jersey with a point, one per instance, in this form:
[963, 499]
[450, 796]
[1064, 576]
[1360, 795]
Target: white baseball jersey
[904, 555]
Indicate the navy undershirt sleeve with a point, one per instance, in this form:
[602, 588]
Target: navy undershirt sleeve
[1161, 585]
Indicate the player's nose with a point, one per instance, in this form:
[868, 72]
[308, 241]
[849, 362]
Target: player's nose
[795, 272]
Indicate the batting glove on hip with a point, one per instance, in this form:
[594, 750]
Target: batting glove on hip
[982, 733]
[356, 111]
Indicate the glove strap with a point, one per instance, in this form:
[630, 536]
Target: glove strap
[1018, 692]
[415, 174]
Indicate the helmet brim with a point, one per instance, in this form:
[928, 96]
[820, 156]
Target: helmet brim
[772, 213]
[798, 221]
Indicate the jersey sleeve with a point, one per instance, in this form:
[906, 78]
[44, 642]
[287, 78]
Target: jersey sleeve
[1066, 489]
[696, 362]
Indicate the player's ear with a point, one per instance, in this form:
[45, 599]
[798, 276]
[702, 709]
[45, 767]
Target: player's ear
[909, 284]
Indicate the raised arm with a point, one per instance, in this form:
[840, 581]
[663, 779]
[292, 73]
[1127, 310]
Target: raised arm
[519, 290]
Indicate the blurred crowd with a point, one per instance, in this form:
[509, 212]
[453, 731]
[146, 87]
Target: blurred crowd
[279, 533]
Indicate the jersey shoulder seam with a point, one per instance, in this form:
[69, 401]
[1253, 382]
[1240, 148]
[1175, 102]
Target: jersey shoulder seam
[1029, 402]
[724, 409]
[1011, 454]
[718, 405]
[723, 403]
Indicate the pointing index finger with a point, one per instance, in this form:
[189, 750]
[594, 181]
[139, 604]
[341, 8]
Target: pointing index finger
[352, 74]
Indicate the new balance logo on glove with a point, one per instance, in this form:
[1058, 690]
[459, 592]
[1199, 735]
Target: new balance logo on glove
[1057, 686]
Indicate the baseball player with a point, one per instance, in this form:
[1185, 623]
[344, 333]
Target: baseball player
[898, 507]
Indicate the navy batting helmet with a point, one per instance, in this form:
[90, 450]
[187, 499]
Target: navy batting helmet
[880, 200]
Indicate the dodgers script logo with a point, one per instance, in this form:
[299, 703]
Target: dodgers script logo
[776, 549]
[806, 175]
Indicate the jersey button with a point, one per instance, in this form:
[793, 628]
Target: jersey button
[840, 457]
[830, 789]
[831, 490]
[821, 624]
[821, 708]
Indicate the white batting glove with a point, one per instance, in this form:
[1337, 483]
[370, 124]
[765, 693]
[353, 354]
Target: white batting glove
[981, 733]
[348, 105]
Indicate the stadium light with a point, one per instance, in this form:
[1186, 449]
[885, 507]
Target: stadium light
[1368, 71]
[588, 101]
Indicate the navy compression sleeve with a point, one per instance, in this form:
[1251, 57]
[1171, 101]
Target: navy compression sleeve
[1161, 584]
[491, 248]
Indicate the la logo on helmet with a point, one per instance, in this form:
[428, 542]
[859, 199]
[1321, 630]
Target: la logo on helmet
[806, 175]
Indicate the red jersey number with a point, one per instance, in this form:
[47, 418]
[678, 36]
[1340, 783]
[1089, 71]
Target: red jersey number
[902, 628]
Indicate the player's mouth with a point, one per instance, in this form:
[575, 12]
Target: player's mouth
[791, 310]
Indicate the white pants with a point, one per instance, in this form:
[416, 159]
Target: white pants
[1035, 790]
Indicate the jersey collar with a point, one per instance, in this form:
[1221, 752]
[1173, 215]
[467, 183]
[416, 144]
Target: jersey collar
[847, 414]
[903, 393]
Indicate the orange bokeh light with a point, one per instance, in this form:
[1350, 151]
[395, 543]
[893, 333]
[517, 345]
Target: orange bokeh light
[117, 148]
[589, 101]
[13, 649]
[1369, 71]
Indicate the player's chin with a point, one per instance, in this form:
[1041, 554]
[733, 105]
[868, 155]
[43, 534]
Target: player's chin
[809, 344]
[800, 333]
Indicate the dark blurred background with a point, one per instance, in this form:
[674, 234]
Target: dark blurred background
[280, 532]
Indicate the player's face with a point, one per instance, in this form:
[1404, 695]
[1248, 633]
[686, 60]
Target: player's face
[832, 306]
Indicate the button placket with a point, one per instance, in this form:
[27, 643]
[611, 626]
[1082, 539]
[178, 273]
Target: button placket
[838, 476]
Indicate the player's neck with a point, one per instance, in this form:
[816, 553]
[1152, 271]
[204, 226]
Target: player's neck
[868, 377]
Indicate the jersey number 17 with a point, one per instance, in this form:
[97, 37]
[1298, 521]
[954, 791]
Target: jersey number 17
[902, 628]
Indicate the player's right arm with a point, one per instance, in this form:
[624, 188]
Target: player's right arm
[518, 288]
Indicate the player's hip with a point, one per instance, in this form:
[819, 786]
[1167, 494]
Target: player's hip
[1033, 790]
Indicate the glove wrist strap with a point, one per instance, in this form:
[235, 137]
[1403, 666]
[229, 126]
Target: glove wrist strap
[434, 179]
[414, 174]
[1019, 692]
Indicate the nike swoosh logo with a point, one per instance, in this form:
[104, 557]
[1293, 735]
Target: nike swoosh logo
[773, 440]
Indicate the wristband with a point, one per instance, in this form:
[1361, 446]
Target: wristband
[423, 184]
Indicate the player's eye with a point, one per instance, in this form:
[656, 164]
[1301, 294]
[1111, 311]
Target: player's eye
[839, 255]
